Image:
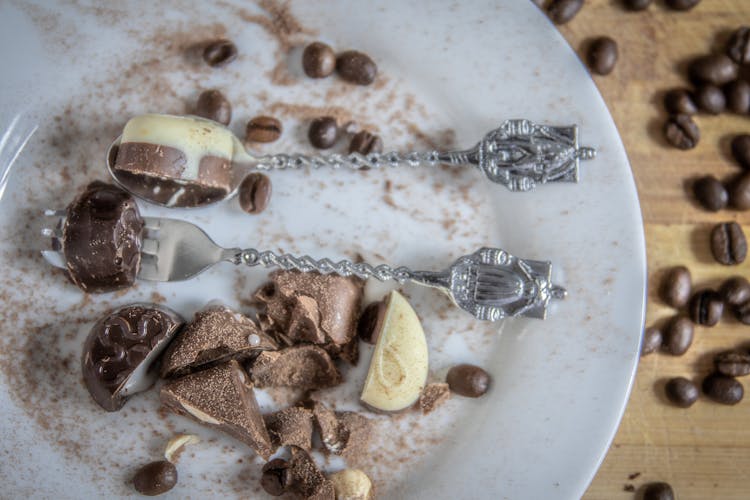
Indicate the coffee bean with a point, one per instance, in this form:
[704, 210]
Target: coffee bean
[365, 143]
[468, 380]
[706, 308]
[728, 243]
[213, 105]
[742, 312]
[710, 98]
[682, 4]
[637, 4]
[318, 60]
[711, 193]
[323, 132]
[733, 363]
[681, 392]
[255, 193]
[717, 69]
[682, 132]
[275, 478]
[220, 53]
[738, 96]
[356, 67]
[602, 55]
[680, 101]
[367, 326]
[562, 11]
[739, 192]
[263, 129]
[723, 389]
[678, 336]
[155, 478]
[735, 291]
[652, 340]
[738, 47]
[741, 150]
[658, 491]
[676, 287]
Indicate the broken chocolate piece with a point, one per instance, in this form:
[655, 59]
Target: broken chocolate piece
[275, 480]
[306, 479]
[216, 334]
[290, 427]
[303, 367]
[120, 351]
[342, 433]
[223, 398]
[102, 239]
[433, 395]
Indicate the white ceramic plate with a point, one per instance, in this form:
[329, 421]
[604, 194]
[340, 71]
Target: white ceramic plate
[449, 72]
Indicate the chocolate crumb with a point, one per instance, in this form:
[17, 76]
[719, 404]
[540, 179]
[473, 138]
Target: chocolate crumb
[433, 396]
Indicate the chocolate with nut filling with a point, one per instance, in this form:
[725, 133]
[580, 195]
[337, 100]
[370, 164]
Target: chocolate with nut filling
[221, 397]
[291, 427]
[120, 352]
[304, 367]
[102, 239]
[216, 334]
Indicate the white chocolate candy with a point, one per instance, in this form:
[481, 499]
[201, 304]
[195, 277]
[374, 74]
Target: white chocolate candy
[351, 484]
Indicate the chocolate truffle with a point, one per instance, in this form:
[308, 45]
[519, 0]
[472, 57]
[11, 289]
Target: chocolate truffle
[120, 351]
[221, 397]
[304, 367]
[216, 334]
[101, 239]
[291, 427]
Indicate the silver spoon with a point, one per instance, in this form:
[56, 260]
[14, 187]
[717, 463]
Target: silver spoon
[518, 155]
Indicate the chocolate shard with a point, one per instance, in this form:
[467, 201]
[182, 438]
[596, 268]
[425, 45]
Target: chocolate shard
[306, 479]
[216, 334]
[311, 307]
[433, 395]
[101, 239]
[304, 367]
[223, 398]
[345, 433]
[291, 427]
[121, 350]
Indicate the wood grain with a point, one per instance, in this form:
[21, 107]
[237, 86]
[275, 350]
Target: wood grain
[704, 451]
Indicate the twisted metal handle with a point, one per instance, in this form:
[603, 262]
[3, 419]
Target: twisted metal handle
[357, 161]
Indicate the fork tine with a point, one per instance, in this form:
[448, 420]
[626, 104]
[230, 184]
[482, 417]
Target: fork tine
[150, 247]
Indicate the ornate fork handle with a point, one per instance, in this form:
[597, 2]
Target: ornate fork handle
[357, 161]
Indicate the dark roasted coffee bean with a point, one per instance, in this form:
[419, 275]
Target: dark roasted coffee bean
[263, 129]
[735, 291]
[723, 389]
[275, 478]
[255, 193]
[356, 67]
[681, 392]
[562, 11]
[602, 55]
[706, 308]
[658, 491]
[739, 46]
[741, 150]
[637, 4]
[155, 478]
[680, 101]
[682, 132]
[739, 192]
[682, 4]
[365, 143]
[220, 53]
[652, 340]
[711, 193]
[323, 132]
[367, 326]
[728, 243]
[678, 336]
[710, 98]
[738, 96]
[318, 60]
[733, 363]
[676, 287]
[213, 105]
[742, 312]
[468, 380]
[715, 68]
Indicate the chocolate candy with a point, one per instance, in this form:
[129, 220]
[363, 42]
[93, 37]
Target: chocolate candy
[291, 427]
[318, 60]
[323, 132]
[121, 349]
[468, 380]
[356, 67]
[155, 478]
[304, 367]
[102, 239]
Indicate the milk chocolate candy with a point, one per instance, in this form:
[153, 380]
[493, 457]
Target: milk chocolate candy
[342, 432]
[220, 397]
[216, 334]
[291, 427]
[102, 239]
[120, 352]
[304, 367]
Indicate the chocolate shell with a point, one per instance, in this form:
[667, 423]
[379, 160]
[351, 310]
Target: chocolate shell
[304, 367]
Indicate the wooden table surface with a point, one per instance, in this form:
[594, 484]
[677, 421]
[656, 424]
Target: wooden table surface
[703, 451]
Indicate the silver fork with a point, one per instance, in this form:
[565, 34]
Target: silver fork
[490, 283]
